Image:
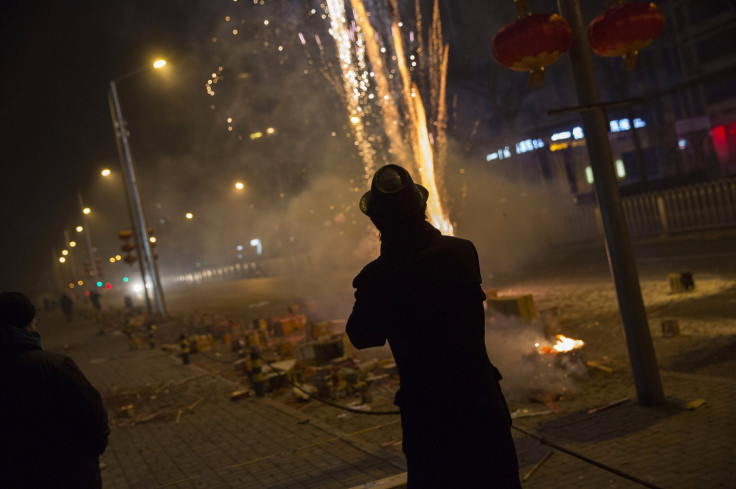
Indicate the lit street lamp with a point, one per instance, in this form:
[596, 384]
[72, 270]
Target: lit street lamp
[138, 219]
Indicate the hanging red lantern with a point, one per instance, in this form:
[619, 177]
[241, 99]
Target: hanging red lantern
[625, 30]
[531, 43]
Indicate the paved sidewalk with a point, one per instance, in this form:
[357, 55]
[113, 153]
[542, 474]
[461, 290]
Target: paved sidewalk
[246, 444]
[200, 439]
[668, 446]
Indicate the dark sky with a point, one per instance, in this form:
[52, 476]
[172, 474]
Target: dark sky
[57, 60]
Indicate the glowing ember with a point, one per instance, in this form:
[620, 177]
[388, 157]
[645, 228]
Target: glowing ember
[564, 344]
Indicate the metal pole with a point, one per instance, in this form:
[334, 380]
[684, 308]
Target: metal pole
[131, 211]
[618, 244]
[88, 238]
[129, 171]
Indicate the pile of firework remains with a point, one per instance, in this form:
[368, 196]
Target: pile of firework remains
[311, 358]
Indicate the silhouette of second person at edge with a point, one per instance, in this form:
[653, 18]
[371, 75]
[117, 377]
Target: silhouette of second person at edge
[423, 296]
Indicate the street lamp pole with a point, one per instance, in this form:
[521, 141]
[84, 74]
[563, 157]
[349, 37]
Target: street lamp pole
[139, 223]
[88, 239]
[618, 243]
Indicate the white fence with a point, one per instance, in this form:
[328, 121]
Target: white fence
[703, 206]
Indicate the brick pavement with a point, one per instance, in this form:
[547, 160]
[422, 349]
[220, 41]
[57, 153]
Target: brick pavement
[246, 444]
[262, 444]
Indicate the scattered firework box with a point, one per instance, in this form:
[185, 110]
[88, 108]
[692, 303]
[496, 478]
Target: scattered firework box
[322, 352]
[681, 281]
[205, 342]
[521, 306]
[237, 395]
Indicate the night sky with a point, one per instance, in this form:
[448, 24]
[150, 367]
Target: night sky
[57, 59]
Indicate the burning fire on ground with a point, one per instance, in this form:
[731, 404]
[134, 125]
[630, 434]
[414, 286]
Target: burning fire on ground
[563, 345]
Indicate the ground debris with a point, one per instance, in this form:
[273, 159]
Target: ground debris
[694, 404]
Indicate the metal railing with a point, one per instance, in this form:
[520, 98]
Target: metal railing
[703, 206]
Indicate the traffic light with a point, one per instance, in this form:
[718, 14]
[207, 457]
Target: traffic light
[128, 246]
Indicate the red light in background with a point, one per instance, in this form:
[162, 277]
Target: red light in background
[86, 292]
[108, 286]
[720, 142]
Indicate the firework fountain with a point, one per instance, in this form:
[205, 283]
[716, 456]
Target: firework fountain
[376, 34]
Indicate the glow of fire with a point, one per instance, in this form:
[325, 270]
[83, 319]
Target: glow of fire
[420, 140]
[566, 344]
[425, 163]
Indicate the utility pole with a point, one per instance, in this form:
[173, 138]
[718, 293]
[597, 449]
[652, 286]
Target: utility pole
[88, 238]
[139, 223]
[618, 243]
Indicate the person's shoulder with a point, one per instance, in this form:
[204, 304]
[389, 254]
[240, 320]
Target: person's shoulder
[43, 357]
[368, 273]
[452, 244]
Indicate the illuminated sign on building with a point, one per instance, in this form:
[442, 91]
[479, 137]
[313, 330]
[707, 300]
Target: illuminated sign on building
[528, 145]
[624, 124]
[576, 133]
[499, 155]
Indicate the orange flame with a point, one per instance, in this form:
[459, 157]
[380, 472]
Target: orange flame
[564, 344]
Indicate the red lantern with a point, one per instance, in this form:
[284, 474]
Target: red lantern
[625, 30]
[532, 43]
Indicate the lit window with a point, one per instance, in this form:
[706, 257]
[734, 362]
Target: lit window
[620, 169]
[589, 174]
[577, 133]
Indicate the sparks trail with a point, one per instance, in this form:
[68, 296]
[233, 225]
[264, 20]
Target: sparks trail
[425, 133]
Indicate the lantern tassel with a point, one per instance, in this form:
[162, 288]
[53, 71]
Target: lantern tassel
[630, 60]
[536, 77]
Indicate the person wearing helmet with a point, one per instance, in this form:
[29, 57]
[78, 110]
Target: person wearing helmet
[423, 296]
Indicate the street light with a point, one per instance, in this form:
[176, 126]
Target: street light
[138, 219]
[106, 172]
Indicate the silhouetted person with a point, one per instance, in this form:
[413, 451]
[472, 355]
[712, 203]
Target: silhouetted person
[67, 306]
[423, 295]
[94, 298]
[53, 426]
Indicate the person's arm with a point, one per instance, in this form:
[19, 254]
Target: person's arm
[82, 407]
[365, 326]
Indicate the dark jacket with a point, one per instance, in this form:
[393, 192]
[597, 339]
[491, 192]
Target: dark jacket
[423, 296]
[53, 426]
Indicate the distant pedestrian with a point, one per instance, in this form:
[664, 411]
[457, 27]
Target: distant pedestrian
[67, 306]
[184, 347]
[94, 298]
[53, 426]
[423, 295]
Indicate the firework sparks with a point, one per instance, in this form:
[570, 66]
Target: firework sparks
[354, 75]
[366, 41]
